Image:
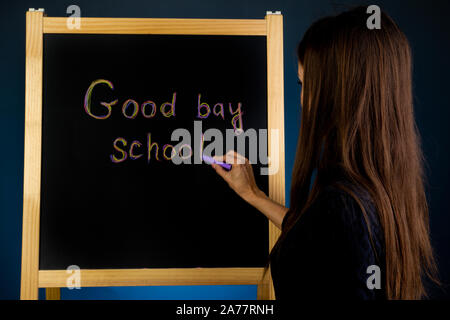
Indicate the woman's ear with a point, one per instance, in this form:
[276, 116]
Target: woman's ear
[300, 76]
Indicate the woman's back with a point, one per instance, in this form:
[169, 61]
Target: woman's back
[327, 253]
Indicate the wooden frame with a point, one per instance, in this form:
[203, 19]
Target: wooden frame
[36, 25]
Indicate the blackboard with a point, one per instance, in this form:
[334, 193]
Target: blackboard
[98, 214]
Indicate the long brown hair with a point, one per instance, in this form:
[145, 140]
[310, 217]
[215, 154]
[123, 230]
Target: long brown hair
[358, 115]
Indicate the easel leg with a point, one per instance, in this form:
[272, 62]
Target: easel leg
[265, 290]
[52, 293]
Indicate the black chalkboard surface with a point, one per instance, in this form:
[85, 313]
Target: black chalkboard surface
[102, 211]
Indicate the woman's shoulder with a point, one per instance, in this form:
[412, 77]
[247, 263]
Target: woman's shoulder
[345, 202]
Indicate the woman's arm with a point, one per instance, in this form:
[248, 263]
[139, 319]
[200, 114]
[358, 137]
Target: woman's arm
[273, 211]
[242, 180]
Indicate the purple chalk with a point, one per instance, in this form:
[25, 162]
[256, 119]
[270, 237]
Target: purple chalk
[210, 160]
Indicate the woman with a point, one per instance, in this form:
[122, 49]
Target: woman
[360, 231]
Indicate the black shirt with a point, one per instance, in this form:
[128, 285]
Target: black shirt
[326, 254]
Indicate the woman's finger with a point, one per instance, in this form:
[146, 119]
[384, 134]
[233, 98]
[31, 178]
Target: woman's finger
[238, 158]
[221, 171]
[231, 157]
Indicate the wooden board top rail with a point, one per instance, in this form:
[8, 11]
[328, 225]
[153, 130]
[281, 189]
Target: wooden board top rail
[248, 27]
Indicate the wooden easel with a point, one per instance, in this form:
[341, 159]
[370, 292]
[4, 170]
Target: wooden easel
[36, 26]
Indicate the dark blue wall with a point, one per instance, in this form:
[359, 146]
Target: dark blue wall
[424, 22]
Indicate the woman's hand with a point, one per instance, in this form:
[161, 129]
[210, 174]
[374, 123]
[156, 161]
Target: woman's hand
[240, 178]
